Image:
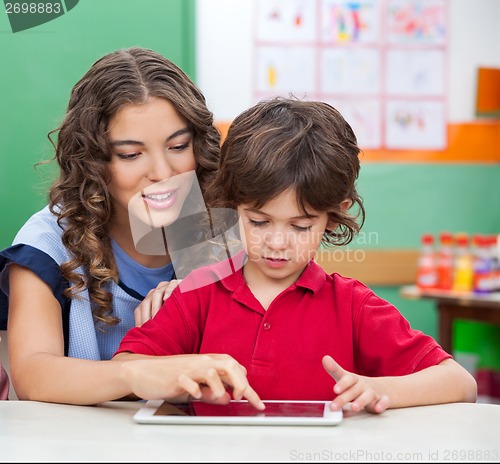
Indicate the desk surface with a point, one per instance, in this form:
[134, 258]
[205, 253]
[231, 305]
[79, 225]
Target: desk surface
[43, 432]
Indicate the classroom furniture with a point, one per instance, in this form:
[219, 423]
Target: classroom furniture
[34, 431]
[452, 306]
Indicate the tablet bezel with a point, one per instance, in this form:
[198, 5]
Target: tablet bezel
[146, 415]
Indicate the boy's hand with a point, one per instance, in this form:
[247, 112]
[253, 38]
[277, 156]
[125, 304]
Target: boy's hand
[354, 389]
[154, 301]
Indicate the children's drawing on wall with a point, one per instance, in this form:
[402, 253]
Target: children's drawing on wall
[371, 53]
[285, 70]
[350, 72]
[416, 22]
[364, 116]
[350, 21]
[415, 72]
[415, 124]
[286, 20]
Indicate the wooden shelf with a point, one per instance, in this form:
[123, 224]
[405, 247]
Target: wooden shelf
[384, 267]
[453, 305]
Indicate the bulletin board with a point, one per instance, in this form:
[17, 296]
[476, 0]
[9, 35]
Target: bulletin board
[382, 63]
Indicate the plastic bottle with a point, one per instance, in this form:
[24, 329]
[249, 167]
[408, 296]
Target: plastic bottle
[463, 269]
[483, 275]
[445, 261]
[494, 248]
[427, 277]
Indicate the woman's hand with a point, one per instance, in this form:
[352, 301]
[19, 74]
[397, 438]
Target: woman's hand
[177, 378]
[354, 389]
[154, 301]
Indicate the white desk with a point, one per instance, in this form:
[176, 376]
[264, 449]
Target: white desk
[32, 431]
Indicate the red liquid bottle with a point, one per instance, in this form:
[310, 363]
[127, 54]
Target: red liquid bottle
[445, 261]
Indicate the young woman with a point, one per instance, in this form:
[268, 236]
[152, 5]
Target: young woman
[137, 133]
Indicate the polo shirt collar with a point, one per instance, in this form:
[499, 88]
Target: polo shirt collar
[312, 278]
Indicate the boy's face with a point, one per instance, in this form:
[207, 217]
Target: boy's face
[279, 239]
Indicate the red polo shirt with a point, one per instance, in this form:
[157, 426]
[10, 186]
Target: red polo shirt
[282, 347]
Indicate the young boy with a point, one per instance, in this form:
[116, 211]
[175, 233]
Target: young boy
[289, 167]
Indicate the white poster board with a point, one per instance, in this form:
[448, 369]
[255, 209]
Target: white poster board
[382, 63]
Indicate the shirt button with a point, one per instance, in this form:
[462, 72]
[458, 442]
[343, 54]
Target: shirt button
[266, 326]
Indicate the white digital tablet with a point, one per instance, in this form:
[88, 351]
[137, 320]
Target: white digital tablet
[238, 413]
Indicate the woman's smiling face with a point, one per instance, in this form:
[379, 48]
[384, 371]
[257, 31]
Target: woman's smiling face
[152, 164]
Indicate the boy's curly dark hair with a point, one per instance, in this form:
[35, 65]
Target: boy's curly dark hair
[286, 143]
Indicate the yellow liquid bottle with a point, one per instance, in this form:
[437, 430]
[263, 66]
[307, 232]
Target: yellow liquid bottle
[464, 271]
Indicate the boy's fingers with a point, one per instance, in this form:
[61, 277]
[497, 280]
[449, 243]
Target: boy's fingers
[365, 399]
[337, 404]
[380, 405]
[334, 369]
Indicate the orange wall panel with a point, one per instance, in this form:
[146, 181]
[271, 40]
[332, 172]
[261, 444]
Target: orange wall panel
[474, 142]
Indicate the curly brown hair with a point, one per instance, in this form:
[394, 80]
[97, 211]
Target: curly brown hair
[80, 197]
[285, 143]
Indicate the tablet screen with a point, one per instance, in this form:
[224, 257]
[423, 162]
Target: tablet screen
[273, 409]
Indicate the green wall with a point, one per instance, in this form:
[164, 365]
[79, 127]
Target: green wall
[403, 201]
[39, 66]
